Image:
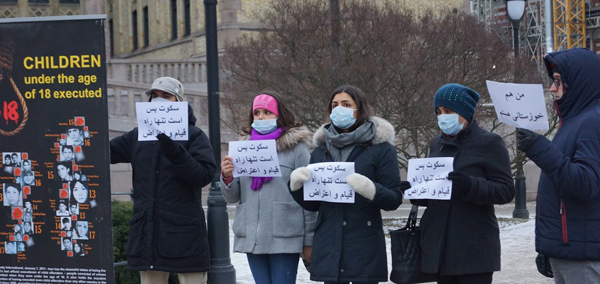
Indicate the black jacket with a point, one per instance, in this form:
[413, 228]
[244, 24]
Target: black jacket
[461, 236]
[349, 242]
[167, 230]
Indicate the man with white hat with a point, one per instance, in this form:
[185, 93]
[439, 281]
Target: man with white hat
[167, 232]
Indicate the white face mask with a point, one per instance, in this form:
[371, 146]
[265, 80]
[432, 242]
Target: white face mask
[265, 126]
[449, 124]
[342, 117]
[159, 100]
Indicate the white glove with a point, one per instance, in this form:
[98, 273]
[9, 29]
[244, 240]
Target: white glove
[298, 177]
[362, 185]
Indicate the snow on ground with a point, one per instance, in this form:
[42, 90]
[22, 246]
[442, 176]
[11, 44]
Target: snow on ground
[518, 256]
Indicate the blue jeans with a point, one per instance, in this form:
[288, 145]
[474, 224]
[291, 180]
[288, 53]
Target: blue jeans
[279, 268]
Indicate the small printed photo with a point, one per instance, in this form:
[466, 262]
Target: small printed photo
[63, 209]
[78, 175]
[27, 228]
[75, 136]
[27, 217]
[10, 248]
[28, 178]
[79, 191]
[26, 165]
[7, 159]
[66, 244]
[64, 170]
[74, 210]
[65, 224]
[67, 153]
[18, 228]
[15, 159]
[13, 194]
[20, 246]
[86, 134]
[28, 207]
[81, 230]
[79, 249]
[19, 237]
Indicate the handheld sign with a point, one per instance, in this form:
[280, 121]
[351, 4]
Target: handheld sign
[428, 178]
[257, 158]
[519, 105]
[328, 183]
[168, 118]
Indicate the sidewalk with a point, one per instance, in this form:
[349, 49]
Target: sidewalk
[517, 240]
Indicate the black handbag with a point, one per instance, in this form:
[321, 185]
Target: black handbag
[406, 253]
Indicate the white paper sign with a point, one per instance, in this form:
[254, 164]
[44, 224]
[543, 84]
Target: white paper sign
[169, 118]
[428, 178]
[257, 158]
[519, 105]
[328, 183]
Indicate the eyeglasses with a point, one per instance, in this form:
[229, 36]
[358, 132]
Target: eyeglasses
[556, 82]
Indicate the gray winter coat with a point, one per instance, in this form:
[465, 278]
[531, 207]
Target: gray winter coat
[269, 221]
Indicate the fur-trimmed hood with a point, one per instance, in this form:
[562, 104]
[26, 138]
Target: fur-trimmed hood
[290, 138]
[384, 133]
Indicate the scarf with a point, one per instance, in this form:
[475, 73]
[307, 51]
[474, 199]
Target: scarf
[340, 145]
[258, 181]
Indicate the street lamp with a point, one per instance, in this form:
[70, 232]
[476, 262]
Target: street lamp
[221, 270]
[515, 10]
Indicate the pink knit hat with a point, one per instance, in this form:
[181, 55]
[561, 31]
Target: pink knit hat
[266, 102]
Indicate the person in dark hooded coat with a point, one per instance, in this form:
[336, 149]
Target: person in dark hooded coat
[167, 230]
[460, 238]
[348, 241]
[567, 228]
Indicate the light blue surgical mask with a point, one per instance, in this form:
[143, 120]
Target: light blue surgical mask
[159, 100]
[449, 124]
[264, 126]
[342, 117]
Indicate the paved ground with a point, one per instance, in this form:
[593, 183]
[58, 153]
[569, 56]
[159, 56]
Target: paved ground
[517, 238]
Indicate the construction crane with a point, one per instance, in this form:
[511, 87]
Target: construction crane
[569, 24]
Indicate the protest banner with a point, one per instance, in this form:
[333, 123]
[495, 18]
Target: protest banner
[428, 178]
[256, 158]
[328, 182]
[168, 118]
[54, 134]
[519, 105]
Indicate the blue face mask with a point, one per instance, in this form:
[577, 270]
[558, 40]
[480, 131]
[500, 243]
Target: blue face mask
[342, 117]
[449, 124]
[264, 126]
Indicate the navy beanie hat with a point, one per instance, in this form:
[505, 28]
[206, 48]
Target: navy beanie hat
[458, 98]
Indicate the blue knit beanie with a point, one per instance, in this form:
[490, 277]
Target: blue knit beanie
[458, 98]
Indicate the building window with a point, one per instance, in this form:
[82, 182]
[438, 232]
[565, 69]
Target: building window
[8, 1]
[112, 37]
[68, 1]
[39, 1]
[186, 12]
[173, 19]
[146, 29]
[134, 29]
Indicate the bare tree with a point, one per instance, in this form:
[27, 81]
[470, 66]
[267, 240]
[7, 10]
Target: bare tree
[399, 60]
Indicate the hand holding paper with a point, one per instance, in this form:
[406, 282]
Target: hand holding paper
[362, 185]
[525, 139]
[298, 177]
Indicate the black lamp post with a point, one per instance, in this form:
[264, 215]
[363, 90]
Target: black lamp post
[515, 10]
[221, 270]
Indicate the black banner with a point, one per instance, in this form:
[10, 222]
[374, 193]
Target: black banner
[55, 214]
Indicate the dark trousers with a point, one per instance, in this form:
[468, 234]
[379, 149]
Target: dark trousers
[481, 278]
[328, 282]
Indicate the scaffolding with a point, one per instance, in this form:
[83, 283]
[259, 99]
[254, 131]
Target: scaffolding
[569, 24]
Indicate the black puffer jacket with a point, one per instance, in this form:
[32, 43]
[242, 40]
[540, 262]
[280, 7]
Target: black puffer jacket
[349, 242]
[168, 230]
[461, 235]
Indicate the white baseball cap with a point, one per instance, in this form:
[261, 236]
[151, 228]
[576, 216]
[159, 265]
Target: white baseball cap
[168, 85]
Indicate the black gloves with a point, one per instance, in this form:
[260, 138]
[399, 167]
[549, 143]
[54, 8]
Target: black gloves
[404, 185]
[171, 149]
[543, 265]
[525, 139]
[461, 183]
